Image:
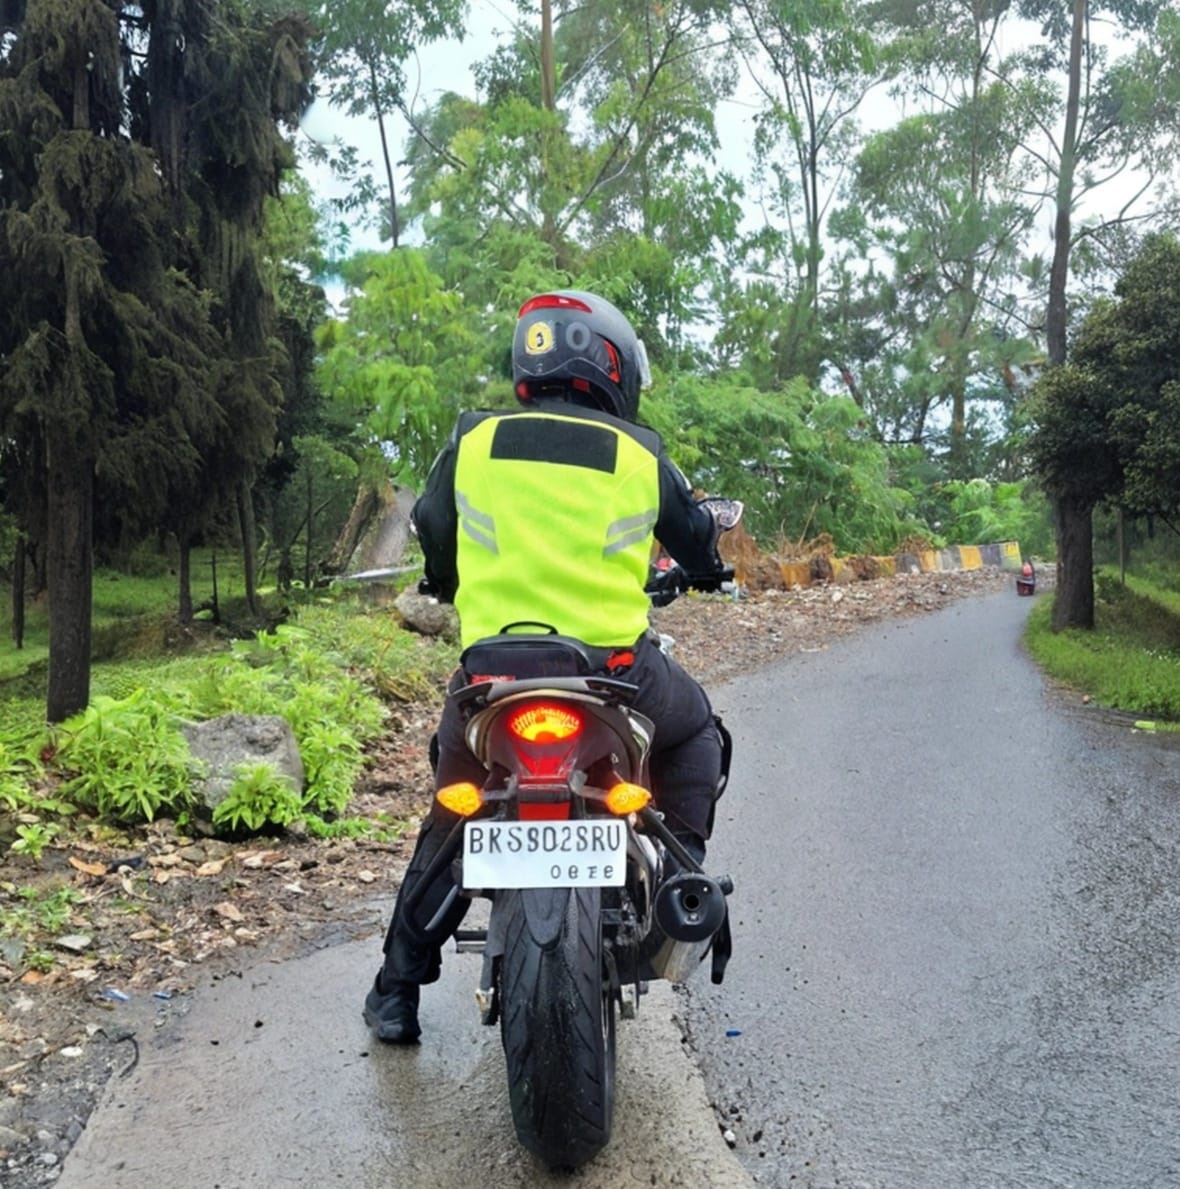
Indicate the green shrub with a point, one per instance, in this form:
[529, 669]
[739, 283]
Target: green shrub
[259, 797]
[127, 758]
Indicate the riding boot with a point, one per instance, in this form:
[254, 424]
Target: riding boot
[391, 1011]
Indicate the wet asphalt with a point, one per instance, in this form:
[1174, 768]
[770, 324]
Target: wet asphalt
[957, 917]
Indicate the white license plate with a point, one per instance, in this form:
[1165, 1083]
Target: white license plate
[545, 854]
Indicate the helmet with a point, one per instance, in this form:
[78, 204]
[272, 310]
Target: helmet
[578, 345]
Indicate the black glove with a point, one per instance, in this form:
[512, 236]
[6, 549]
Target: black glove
[663, 586]
[709, 582]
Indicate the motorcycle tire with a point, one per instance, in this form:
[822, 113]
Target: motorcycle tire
[557, 1025]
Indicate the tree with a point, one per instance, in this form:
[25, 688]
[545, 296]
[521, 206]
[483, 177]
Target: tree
[813, 64]
[362, 51]
[604, 171]
[404, 361]
[142, 142]
[1114, 120]
[1108, 420]
[944, 193]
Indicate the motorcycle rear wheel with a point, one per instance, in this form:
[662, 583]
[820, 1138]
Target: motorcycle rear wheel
[557, 1025]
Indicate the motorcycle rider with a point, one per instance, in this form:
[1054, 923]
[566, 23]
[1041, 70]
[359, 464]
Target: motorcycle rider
[546, 516]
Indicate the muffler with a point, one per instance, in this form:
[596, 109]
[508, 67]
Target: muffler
[689, 908]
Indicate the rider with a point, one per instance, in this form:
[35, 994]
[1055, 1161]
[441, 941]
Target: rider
[546, 515]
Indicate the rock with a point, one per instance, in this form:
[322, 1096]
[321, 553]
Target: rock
[427, 616]
[222, 744]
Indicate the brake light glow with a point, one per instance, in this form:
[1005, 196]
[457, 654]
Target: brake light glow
[627, 798]
[463, 799]
[545, 722]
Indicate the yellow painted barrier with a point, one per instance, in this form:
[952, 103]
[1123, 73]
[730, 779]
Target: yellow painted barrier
[843, 570]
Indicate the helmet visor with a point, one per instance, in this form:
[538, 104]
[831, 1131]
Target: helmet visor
[642, 365]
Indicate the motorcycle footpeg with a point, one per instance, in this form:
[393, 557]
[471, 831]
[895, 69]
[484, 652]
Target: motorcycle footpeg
[470, 941]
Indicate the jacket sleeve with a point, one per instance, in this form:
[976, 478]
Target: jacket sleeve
[684, 528]
[436, 522]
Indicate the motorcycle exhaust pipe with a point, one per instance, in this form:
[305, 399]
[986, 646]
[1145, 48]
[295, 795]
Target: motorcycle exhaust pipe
[689, 908]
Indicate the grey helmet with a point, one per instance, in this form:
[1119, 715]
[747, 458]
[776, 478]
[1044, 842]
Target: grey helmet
[579, 345]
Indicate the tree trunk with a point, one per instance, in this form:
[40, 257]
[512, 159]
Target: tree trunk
[69, 569]
[1074, 602]
[18, 592]
[1073, 605]
[184, 610]
[549, 105]
[249, 545]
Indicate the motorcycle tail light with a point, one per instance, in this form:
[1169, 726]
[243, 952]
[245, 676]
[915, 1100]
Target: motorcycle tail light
[627, 798]
[545, 722]
[463, 799]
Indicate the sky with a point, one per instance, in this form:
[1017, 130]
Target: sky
[446, 66]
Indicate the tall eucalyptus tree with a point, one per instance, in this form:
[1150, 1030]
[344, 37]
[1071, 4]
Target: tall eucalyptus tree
[1119, 119]
[942, 194]
[362, 49]
[813, 63]
[602, 172]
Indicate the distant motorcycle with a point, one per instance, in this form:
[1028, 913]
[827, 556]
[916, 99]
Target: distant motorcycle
[592, 895]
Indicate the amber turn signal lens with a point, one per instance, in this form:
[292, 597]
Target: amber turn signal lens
[463, 799]
[627, 798]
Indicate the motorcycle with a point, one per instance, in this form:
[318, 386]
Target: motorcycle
[592, 895]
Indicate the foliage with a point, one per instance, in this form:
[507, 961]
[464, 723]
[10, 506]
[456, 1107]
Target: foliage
[304, 679]
[979, 512]
[802, 461]
[28, 914]
[362, 47]
[405, 360]
[1131, 660]
[260, 796]
[610, 177]
[128, 757]
[1108, 422]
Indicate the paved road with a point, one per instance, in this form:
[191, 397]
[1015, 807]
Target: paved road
[958, 920]
[269, 1079]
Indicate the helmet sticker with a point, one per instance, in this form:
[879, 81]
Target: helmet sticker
[538, 339]
[577, 335]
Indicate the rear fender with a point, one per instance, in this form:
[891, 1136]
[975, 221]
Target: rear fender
[545, 912]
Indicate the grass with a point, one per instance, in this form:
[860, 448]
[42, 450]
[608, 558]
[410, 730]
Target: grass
[334, 666]
[1131, 660]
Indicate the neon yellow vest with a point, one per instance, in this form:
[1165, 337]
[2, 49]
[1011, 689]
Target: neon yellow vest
[556, 517]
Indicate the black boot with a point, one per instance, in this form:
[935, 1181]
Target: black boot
[393, 1014]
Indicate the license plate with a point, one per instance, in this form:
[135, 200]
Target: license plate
[545, 854]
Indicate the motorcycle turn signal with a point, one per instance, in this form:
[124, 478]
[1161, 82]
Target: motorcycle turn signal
[463, 798]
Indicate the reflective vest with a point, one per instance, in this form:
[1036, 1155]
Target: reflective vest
[555, 527]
